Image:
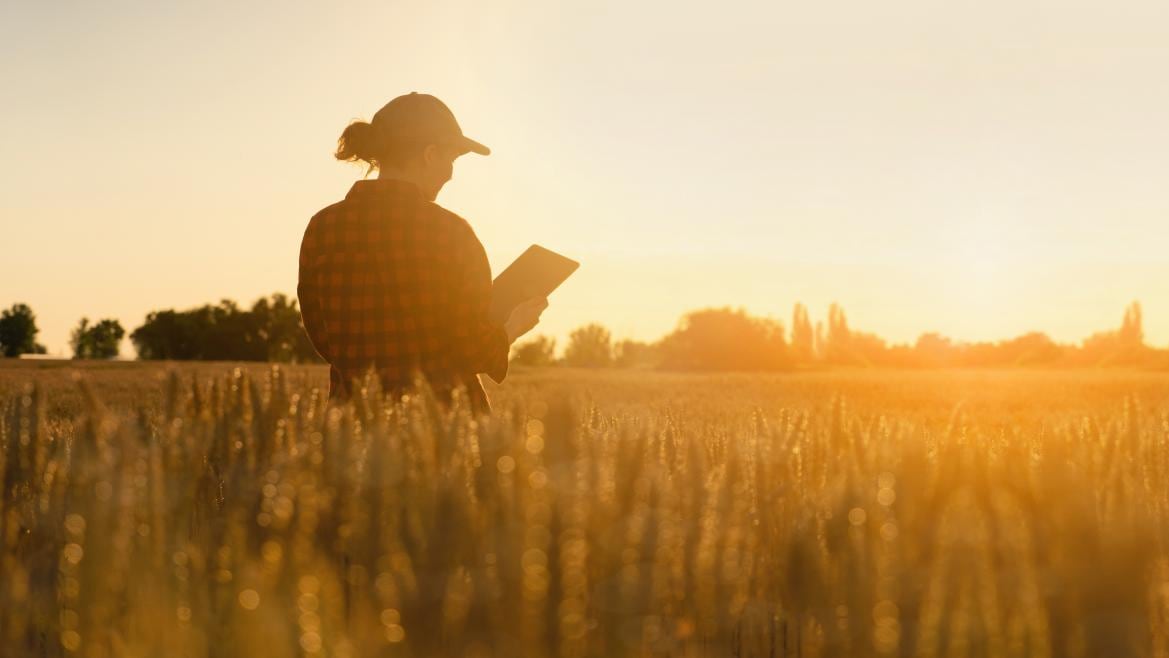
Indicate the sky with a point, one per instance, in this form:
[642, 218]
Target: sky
[979, 169]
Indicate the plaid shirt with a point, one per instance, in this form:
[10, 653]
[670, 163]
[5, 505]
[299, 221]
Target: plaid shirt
[392, 281]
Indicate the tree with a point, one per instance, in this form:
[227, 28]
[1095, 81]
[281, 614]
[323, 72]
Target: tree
[538, 351]
[165, 335]
[18, 331]
[589, 346]
[105, 339]
[1132, 333]
[278, 326]
[1033, 349]
[725, 339]
[630, 353]
[934, 350]
[1125, 346]
[270, 331]
[803, 337]
[99, 341]
[839, 336]
[867, 349]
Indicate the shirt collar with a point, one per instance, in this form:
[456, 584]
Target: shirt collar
[383, 186]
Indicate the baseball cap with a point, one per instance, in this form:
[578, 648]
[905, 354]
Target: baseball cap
[416, 117]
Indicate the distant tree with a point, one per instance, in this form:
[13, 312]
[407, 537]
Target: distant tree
[100, 341]
[18, 332]
[867, 349]
[106, 338]
[1132, 332]
[1031, 349]
[589, 346]
[167, 335]
[725, 339]
[934, 350]
[277, 321]
[203, 333]
[233, 334]
[78, 341]
[537, 351]
[837, 348]
[630, 353]
[1122, 347]
[270, 331]
[803, 341]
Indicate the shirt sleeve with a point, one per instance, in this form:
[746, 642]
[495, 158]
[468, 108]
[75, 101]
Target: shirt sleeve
[308, 292]
[481, 342]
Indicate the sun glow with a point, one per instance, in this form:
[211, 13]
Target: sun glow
[963, 194]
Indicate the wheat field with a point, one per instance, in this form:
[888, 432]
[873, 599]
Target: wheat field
[221, 510]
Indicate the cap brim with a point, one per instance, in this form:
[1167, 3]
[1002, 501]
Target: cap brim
[471, 146]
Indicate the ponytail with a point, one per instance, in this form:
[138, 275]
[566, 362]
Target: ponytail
[362, 142]
[359, 143]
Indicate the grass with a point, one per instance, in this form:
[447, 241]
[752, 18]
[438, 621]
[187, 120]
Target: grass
[223, 511]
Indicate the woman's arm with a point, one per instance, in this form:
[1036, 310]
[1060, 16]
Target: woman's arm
[482, 345]
[309, 295]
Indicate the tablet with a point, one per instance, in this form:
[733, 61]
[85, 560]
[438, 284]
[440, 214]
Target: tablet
[536, 273]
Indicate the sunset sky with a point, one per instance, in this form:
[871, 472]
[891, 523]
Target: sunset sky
[975, 168]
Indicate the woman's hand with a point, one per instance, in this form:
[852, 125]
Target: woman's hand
[524, 317]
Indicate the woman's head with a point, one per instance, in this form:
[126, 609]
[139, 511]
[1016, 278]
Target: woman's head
[414, 137]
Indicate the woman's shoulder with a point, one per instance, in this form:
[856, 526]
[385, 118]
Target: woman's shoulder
[452, 221]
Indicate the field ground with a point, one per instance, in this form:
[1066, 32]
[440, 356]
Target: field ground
[594, 513]
[1006, 396]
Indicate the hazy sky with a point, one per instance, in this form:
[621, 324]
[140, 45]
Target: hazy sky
[976, 168]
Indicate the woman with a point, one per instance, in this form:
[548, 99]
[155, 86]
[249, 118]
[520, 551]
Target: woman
[392, 281]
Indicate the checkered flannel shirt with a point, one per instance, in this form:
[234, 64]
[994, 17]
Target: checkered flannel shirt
[393, 281]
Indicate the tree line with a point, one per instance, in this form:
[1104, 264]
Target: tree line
[270, 330]
[711, 339]
[727, 339]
